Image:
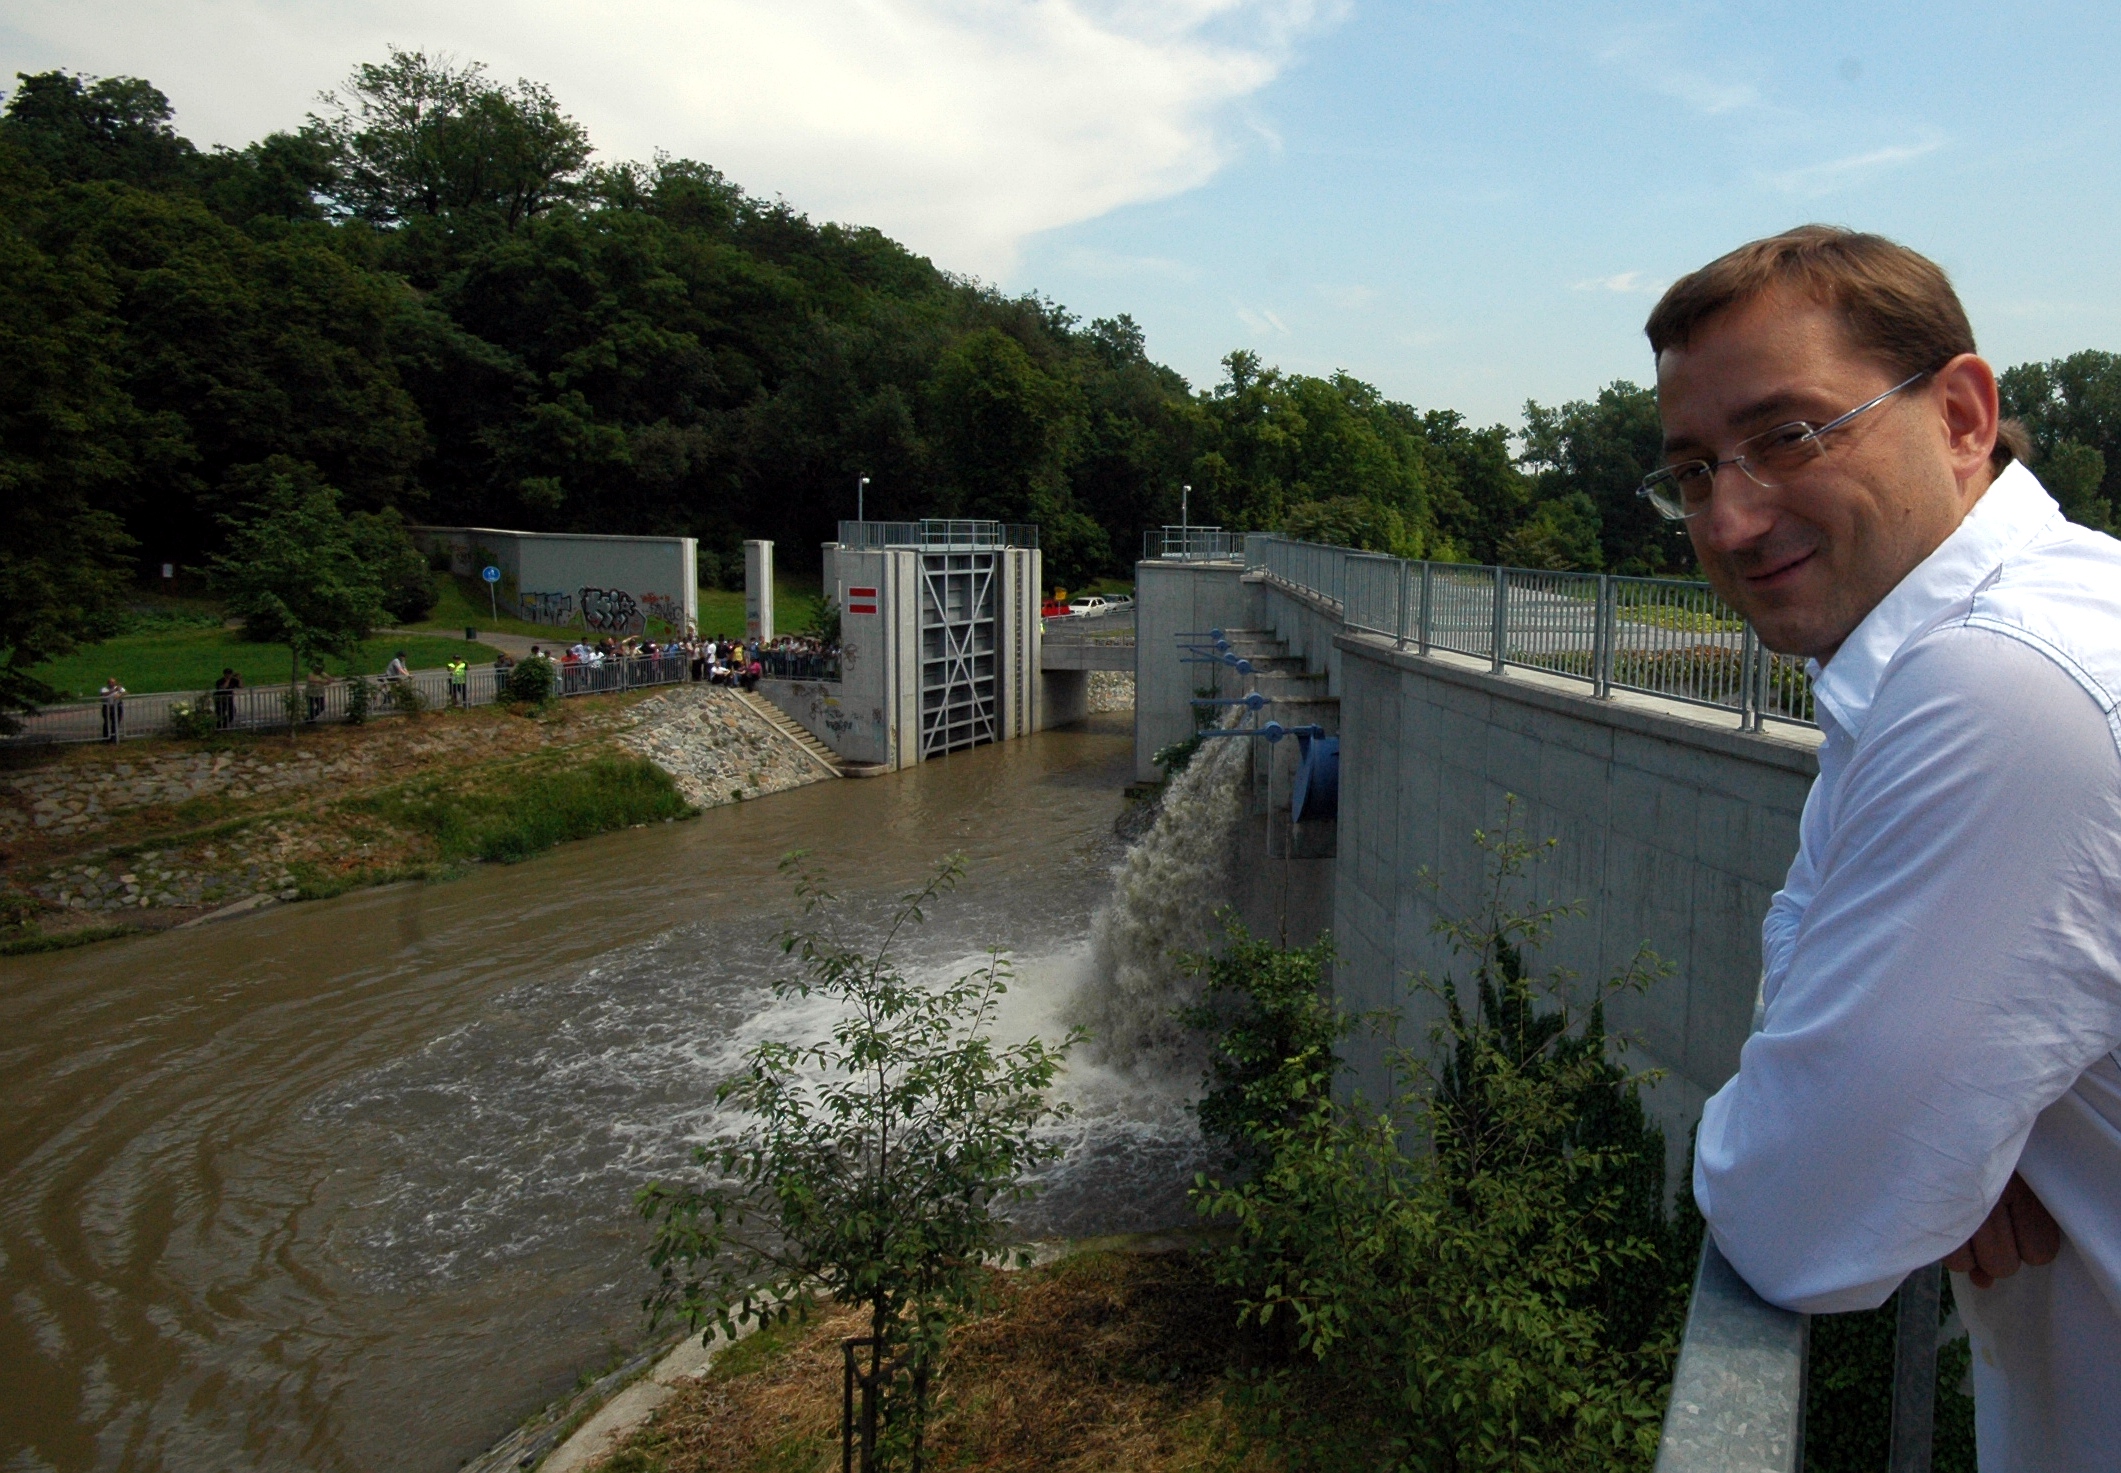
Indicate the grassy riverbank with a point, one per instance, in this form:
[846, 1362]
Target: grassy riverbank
[102, 841]
[1102, 1360]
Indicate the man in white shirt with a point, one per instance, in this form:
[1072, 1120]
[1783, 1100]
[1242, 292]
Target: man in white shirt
[1935, 1076]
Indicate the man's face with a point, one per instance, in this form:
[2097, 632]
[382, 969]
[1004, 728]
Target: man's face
[1807, 559]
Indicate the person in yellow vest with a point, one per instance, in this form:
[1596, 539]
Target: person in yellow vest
[459, 683]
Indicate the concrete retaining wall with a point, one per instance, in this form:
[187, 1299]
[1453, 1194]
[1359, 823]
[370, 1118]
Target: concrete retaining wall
[1675, 828]
[555, 577]
[1673, 831]
[1173, 599]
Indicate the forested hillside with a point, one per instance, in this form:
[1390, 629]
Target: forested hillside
[431, 296]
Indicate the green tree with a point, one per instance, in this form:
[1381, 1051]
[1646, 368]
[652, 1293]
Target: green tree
[873, 1161]
[1601, 449]
[1350, 521]
[418, 137]
[69, 443]
[2071, 408]
[292, 572]
[86, 128]
[1478, 1274]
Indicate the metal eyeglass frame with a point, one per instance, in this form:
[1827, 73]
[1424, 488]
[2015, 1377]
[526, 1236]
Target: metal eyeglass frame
[1671, 504]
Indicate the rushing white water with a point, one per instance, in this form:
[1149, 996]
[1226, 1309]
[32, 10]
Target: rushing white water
[1166, 893]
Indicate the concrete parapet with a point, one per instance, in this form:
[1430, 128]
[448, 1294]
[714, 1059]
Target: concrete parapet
[1674, 832]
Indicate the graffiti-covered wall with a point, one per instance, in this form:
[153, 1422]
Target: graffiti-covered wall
[581, 580]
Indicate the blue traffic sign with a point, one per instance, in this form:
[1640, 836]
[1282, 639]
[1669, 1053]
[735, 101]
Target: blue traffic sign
[490, 573]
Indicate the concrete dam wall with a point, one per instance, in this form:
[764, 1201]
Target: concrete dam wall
[1675, 827]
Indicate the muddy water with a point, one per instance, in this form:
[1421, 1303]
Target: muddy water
[346, 1185]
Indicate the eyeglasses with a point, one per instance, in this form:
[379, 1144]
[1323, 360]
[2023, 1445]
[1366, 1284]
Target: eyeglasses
[1681, 491]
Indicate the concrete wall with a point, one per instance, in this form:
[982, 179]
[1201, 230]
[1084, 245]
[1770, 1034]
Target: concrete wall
[878, 711]
[1172, 599]
[1675, 828]
[1063, 696]
[1674, 831]
[555, 577]
[758, 589]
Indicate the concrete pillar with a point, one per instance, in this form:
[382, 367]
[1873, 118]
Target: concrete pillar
[758, 590]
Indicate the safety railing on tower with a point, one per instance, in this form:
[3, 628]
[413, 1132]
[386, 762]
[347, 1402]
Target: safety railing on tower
[939, 534]
[1188, 544]
[1666, 637]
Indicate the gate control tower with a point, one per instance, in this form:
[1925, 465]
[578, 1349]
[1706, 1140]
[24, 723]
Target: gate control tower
[939, 637]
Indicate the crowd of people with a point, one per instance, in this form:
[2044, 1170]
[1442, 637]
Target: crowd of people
[636, 660]
[584, 666]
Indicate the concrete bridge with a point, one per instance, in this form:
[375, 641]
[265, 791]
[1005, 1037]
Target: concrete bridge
[1676, 819]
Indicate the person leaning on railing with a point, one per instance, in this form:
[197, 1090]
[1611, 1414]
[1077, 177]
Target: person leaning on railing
[1935, 1076]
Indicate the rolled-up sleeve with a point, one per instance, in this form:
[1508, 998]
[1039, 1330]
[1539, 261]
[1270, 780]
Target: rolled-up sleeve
[1951, 975]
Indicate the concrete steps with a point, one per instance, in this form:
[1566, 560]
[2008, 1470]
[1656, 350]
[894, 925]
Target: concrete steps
[792, 729]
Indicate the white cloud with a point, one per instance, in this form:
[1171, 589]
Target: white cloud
[1260, 322]
[959, 126]
[1632, 283]
[1825, 178]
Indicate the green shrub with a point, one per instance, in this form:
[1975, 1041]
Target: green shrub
[1479, 1273]
[527, 811]
[405, 697]
[532, 681]
[191, 720]
[360, 699]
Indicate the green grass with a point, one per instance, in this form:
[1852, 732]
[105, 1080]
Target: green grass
[191, 659]
[461, 603]
[36, 941]
[528, 811]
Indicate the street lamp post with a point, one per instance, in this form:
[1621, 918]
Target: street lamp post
[861, 486]
[1185, 521]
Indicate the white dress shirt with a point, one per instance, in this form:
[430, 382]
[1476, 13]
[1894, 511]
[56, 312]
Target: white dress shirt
[1943, 976]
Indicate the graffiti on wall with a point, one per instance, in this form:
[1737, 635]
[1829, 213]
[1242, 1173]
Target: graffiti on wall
[611, 611]
[547, 608]
[663, 606]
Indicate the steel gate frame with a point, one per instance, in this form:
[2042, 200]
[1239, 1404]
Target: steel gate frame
[959, 700]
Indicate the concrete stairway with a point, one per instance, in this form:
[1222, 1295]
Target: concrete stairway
[793, 730]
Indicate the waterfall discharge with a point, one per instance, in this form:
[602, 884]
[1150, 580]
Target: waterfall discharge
[1164, 901]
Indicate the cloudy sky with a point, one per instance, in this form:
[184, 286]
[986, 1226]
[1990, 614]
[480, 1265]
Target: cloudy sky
[1468, 204]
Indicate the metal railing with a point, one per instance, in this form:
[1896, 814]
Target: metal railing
[264, 707]
[939, 534]
[1666, 637]
[1189, 544]
[800, 664]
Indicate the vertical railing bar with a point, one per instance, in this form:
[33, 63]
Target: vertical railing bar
[1500, 623]
[1428, 588]
[1915, 1373]
[1602, 640]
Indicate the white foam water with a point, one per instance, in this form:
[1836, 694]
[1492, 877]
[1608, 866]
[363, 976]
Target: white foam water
[1166, 892]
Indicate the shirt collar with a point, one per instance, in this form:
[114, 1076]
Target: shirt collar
[2014, 507]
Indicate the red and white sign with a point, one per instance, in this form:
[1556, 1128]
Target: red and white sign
[855, 597]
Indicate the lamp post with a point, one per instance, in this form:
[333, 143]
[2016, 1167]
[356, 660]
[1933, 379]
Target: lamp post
[861, 486]
[1185, 520]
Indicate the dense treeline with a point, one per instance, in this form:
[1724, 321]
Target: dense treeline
[429, 298]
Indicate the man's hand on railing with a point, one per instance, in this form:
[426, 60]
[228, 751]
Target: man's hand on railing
[2019, 1231]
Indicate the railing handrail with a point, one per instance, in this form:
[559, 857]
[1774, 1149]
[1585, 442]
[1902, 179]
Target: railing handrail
[264, 707]
[1666, 637]
[939, 534]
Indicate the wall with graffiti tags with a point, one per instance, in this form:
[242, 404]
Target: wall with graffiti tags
[580, 580]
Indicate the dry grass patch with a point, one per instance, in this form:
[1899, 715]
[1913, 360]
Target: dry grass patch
[1101, 1361]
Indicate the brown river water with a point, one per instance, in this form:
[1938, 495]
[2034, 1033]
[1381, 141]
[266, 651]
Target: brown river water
[347, 1184]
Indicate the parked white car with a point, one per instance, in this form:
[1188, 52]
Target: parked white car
[1096, 604]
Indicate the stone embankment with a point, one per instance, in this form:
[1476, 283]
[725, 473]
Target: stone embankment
[716, 747]
[157, 833]
[1111, 690]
